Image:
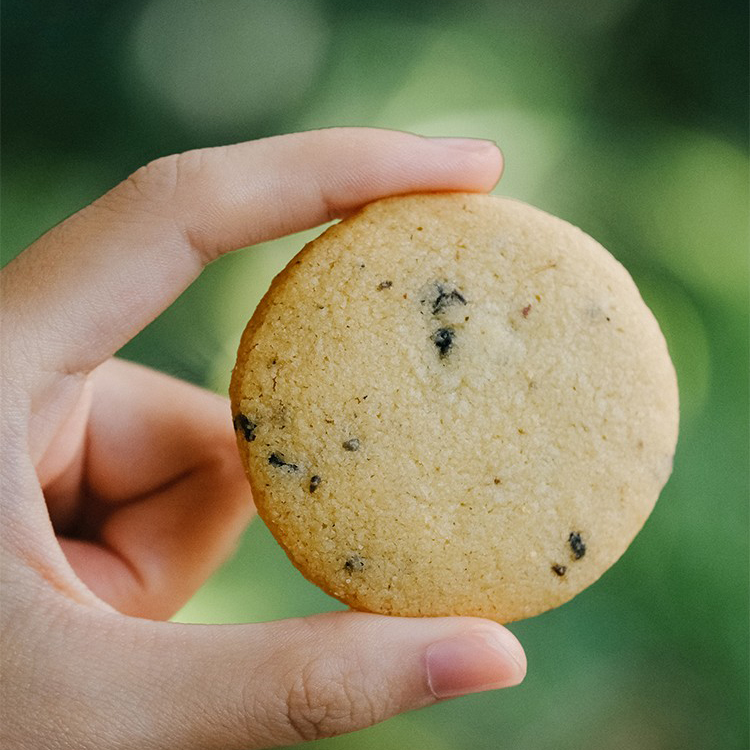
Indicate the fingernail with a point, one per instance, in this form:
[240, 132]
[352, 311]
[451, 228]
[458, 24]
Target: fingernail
[465, 144]
[473, 662]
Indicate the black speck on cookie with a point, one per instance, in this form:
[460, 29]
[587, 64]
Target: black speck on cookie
[275, 459]
[577, 545]
[244, 426]
[444, 339]
[354, 563]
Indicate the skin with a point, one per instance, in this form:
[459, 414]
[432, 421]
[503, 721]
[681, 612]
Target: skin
[122, 490]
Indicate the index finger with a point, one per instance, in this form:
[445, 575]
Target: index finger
[90, 284]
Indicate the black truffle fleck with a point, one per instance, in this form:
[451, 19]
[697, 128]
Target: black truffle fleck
[277, 460]
[559, 570]
[445, 298]
[384, 285]
[577, 545]
[443, 339]
[314, 483]
[354, 563]
[245, 426]
[351, 445]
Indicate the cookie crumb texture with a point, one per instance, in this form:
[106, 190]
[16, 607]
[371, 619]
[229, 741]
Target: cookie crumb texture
[454, 404]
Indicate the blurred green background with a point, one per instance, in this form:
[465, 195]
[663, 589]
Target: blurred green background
[625, 117]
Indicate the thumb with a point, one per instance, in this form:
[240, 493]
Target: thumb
[277, 683]
[90, 284]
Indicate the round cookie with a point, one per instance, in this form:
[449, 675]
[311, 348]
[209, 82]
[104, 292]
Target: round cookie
[454, 404]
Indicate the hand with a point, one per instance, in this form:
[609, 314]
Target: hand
[122, 490]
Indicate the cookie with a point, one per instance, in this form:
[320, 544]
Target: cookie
[454, 404]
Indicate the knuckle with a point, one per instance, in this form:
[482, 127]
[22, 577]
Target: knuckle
[325, 699]
[151, 180]
[173, 185]
[162, 180]
[169, 188]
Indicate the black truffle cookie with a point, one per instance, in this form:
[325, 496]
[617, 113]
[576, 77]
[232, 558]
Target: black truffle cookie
[454, 404]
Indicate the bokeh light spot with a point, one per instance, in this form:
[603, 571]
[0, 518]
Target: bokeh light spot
[695, 197]
[227, 62]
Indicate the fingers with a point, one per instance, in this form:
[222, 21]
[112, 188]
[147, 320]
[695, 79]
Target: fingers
[86, 287]
[284, 682]
[165, 494]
